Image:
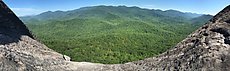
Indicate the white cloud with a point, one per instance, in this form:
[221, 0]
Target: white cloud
[26, 11]
[143, 6]
[149, 6]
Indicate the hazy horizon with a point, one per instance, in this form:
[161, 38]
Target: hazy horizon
[102, 5]
[33, 7]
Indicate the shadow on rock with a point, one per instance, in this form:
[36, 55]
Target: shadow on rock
[11, 27]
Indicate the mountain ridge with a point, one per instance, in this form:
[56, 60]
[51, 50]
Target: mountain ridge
[118, 6]
[107, 9]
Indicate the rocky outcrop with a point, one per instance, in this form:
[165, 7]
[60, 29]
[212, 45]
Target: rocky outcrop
[11, 25]
[207, 49]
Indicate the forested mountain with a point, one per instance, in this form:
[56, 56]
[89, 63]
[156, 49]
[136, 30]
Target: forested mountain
[111, 12]
[113, 34]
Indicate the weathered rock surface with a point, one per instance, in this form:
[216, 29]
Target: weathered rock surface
[207, 49]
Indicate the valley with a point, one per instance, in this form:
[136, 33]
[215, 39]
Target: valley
[113, 34]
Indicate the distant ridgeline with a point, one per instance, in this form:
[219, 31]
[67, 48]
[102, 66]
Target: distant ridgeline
[113, 34]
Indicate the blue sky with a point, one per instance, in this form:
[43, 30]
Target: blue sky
[33, 7]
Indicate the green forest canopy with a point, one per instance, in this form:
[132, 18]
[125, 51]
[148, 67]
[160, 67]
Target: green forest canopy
[113, 34]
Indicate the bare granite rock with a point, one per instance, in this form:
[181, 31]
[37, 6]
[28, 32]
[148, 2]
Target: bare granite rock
[206, 49]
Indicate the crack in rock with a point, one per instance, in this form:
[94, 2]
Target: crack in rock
[228, 21]
[225, 32]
